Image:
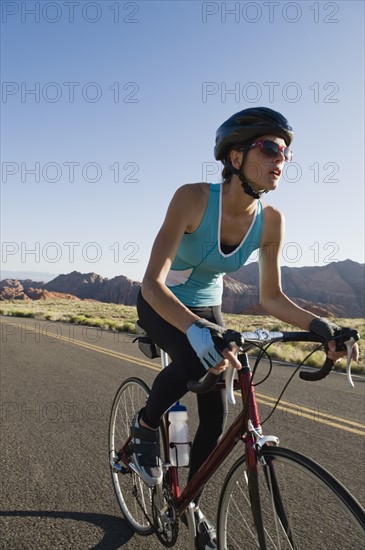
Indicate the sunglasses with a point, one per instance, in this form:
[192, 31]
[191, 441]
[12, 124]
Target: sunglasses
[272, 149]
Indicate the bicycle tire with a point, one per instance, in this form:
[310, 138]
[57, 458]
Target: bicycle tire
[133, 495]
[304, 507]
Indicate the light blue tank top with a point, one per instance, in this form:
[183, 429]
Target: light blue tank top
[196, 275]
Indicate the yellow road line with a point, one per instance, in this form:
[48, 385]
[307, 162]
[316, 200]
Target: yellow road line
[291, 408]
[306, 410]
[99, 349]
[319, 420]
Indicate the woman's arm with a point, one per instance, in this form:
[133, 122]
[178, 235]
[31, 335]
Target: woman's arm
[181, 212]
[272, 298]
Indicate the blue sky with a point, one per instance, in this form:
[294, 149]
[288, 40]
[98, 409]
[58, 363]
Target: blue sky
[108, 107]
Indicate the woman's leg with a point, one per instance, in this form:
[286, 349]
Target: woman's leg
[212, 417]
[171, 383]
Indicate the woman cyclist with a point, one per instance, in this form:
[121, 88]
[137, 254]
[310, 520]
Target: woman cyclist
[209, 230]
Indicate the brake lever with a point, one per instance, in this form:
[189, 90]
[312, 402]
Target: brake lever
[349, 345]
[229, 379]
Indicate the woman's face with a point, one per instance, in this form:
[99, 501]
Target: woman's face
[262, 171]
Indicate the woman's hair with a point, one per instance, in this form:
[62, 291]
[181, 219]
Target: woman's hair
[226, 171]
[226, 175]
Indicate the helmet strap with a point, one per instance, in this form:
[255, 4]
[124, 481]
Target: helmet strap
[245, 185]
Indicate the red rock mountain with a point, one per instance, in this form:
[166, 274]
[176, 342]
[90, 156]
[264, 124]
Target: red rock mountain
[118, 290]
[14, 289]
[338, 287]
[335, 289]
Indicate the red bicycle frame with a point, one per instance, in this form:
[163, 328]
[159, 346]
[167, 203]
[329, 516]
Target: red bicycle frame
[233, 435]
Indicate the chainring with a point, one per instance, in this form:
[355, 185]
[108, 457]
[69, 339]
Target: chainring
[165, 519]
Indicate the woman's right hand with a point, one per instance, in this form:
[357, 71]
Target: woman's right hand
[214, 345]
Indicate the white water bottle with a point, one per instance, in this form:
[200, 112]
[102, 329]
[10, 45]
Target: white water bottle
[179, 436]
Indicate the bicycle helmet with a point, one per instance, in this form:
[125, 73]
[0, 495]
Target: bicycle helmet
[243, 128]
[248, 125]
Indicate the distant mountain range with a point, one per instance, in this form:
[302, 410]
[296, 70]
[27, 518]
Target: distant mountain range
[335, 289]
[23, 275]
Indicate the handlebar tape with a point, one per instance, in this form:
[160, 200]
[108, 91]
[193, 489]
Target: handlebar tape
[318, 375]
[204, 385]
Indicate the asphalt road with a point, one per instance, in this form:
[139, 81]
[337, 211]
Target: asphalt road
[57, 386]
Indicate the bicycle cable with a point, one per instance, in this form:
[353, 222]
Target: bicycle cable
[257, 362]
[288, 382]
[259, 357]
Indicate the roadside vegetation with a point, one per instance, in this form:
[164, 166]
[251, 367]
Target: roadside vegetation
[122, 318]
[85, 312]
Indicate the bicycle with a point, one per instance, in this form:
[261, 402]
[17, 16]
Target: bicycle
[271, 498]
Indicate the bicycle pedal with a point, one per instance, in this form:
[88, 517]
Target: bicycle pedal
[119, 468]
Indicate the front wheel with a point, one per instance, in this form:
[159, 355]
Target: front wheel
[133, 495]
[303, 507]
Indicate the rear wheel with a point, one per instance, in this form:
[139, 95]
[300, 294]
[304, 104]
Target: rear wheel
[133, 495]
[302, 505]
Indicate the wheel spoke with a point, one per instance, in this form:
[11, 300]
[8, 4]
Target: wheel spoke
[303, 507]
